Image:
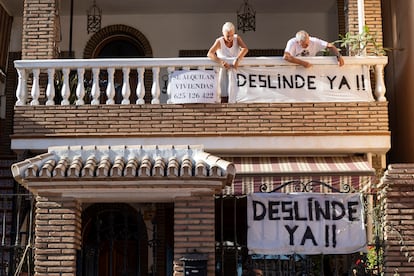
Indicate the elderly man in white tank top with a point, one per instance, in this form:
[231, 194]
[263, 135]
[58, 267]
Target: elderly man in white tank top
[228, 50]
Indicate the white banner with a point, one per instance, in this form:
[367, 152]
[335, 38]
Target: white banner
[193, 86]
[328, 83]
[305, 223]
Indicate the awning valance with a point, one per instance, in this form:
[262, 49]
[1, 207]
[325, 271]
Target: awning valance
[255, 174]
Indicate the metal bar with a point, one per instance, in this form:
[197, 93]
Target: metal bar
[19, 209]
[306, 187]
[235, 245]
[221, 234]
[3, 232]
[111, 242]
[125, 250]
[30, 232]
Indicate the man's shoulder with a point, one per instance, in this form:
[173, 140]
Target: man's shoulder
[317, 40]
[292, 40]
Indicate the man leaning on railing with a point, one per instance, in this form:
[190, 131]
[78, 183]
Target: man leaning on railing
[303, 45]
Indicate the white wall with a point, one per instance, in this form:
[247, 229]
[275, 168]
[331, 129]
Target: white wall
[169, 33]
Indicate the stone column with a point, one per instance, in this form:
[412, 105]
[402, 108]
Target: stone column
[58, 236]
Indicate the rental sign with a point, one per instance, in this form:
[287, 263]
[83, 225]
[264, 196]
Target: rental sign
[305, 223]
[193, 86]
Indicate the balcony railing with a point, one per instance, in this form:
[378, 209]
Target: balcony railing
[84, 78]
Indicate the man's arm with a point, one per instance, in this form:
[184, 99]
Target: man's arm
[288, 57]
[338, 55]
[242, 53]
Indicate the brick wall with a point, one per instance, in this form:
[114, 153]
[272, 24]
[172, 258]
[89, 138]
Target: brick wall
[398, 205]
[40, 29]
[341, 16]
[200, 119]
[58, 236]
[373, 18]
[194, 230]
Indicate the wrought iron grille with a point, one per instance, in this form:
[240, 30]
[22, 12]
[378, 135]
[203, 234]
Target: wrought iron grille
[17, 234]
[232, 256]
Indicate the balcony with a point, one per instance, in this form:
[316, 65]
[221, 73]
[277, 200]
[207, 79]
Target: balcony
[128, 101]
[95, 79]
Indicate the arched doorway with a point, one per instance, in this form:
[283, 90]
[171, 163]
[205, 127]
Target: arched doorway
[114, 33]
[120, 41]
[114, 241]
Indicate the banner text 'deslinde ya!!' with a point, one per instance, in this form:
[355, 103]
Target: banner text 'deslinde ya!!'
[328, 83]
[305, 223]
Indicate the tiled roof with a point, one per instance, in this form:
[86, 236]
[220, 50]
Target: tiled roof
[122, 163]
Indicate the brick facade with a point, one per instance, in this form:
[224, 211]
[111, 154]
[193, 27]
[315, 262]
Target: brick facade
[194, 230]
[40, 29]
[58, 221]
[397, 207]
[201, 119]
[373, 18]
[58, 236]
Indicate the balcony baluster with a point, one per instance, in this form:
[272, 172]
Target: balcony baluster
[65, 87]
[80, 88]
[140, 86]
[126, 90]
[380, 89]
[35, 87]
[21, 94]
[155, 89]
[50, 89]
[110, 88]
[95, 91]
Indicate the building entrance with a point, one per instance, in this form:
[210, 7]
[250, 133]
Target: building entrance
[115, 241]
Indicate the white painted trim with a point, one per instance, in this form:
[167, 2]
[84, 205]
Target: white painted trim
[273, 145]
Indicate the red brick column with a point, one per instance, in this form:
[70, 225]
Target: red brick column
[40, 29]
[194, 230]
[58, 236]
[398, 205]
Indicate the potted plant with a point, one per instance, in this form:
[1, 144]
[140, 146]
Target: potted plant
[358, 43]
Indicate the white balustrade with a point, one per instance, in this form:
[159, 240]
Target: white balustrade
[110, 88]
[126, 91]
[35, 87]
[50, 89]
[65, 87]
[88, 86]
[140, 92]
[21, 91]
[379, 91]
[155, 90]
[95, 91]
[80, 88]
